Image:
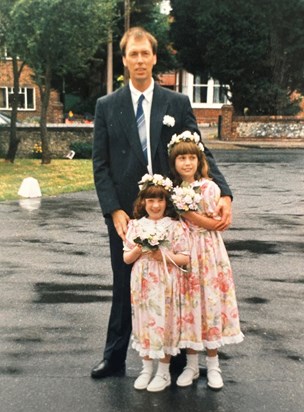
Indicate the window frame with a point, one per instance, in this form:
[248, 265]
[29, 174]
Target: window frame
[24, 91]
[211, 85]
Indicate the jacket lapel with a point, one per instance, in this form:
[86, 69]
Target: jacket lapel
[158, 111]
[128, 122]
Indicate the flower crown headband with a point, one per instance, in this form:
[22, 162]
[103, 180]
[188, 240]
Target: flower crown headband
[186, 136]
[155, 180]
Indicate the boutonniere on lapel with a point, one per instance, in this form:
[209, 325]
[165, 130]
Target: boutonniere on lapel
[168, 121]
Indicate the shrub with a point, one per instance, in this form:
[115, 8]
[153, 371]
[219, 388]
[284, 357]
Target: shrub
[37, 151]
[82, 150]
[3, 149]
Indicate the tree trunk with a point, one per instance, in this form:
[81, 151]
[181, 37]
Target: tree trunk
[45, 91]
[110, 63]
[127, 12]
[14, 140]
[279, 69]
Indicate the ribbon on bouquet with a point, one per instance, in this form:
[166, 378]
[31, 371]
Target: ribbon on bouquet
[164, 255]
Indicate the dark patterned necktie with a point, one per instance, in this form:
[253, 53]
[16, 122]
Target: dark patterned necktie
[141, 125]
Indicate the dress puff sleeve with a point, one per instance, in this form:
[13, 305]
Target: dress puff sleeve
[128, 243]
[211, 195]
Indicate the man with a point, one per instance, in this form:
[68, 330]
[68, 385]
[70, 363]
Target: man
[120, 159]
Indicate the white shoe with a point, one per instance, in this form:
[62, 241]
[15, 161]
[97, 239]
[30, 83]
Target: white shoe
[159, 382]
[214, 378]
[186, 378]
[143, 380]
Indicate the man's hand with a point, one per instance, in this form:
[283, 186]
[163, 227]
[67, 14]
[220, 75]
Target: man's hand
[224, 210]
[120, 220]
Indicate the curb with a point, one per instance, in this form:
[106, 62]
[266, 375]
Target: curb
[252, 144]
[210, 139]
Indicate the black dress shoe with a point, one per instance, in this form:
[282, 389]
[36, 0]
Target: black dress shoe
[106, 368]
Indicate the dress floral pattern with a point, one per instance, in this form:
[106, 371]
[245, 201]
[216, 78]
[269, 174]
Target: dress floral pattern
[155, 290]
[210, 291]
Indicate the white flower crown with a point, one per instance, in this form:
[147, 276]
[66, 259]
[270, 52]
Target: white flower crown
[155, 180]
[186, 136]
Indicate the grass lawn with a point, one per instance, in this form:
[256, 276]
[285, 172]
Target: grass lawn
[61, 176]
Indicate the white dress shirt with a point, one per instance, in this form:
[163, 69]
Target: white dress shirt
[147, 104]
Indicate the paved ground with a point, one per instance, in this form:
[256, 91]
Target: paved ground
[56, 290]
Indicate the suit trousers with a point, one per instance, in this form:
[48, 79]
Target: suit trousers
[120, 323]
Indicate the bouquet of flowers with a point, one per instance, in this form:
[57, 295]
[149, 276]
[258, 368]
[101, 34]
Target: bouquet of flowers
[151, 239]
[186, 198]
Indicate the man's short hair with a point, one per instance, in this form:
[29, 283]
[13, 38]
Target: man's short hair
[137, 33]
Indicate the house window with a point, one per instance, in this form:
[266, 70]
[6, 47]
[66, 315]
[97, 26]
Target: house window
[207, 91]
[3, 98]
[26, 98]
[200, 89]
[218, 93]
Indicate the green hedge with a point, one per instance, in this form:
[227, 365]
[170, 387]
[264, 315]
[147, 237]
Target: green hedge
[82, 150]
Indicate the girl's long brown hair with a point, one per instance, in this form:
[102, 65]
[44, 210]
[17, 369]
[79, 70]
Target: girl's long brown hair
[183, 148]
[152, 192]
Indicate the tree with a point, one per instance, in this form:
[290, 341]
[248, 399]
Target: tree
[146, 13]
[7, 40]
[91, 78]
[255, 47]
[90, 84]
[54, 37]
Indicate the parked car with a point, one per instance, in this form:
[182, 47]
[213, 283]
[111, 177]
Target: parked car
[5, 120]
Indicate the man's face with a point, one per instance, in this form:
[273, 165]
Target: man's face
[139, 59]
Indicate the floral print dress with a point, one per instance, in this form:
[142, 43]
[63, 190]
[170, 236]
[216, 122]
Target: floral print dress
[211, 274]
[155, 289]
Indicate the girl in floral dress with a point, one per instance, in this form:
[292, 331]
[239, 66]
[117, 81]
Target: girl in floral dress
[157, 245]
[214, 301]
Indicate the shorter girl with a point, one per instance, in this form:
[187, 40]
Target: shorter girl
[158, 247]
[210, 267]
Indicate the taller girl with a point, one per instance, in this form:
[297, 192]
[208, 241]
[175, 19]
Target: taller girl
[210, 267]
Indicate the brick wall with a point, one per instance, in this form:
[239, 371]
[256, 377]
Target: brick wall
[55, 110]
[226, 126]
[209, 116]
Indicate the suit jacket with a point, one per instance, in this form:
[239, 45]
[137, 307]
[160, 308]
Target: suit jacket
[118, 160]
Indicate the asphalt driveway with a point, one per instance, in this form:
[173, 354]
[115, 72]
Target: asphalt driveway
[56, 291]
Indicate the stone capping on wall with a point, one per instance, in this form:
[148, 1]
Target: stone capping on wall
[56, 126]
[260, 127]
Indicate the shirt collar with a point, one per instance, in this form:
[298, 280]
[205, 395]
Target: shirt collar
[147, 93]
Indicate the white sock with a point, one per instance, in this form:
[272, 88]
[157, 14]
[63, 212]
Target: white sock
[212, 361]
[192, 360]
[147, 365]
[163, 368]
